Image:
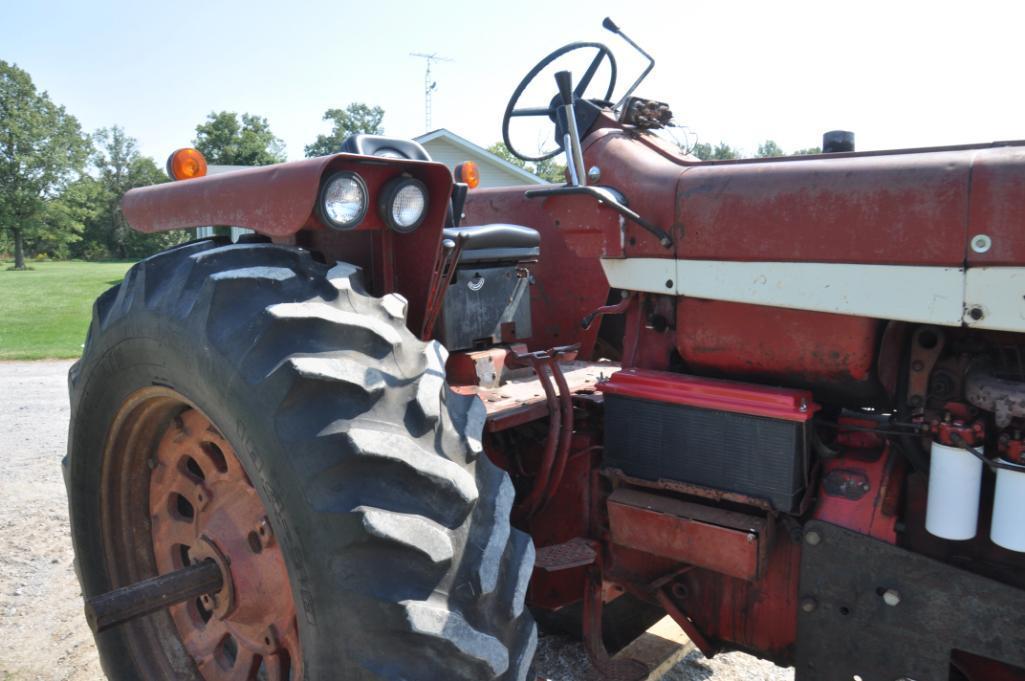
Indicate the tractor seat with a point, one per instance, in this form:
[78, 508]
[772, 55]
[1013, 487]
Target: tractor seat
[496, 243]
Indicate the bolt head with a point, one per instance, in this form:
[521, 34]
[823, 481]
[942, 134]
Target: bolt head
[981, 243]
[812, 538]
[891, 597]
[593, 174]
[808, 604]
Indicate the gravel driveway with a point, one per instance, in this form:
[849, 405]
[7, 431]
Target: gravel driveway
[42, 628]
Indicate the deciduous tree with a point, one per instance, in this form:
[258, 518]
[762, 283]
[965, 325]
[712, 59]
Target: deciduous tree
[118, 166]
[769, 149]
[226, 138]
[42, 149]
[355, 118]
[720, 152]
[550, 170]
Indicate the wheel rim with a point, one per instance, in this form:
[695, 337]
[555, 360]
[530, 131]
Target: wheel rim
[171, 460]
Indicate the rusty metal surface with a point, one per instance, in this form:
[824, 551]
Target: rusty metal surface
[858, 490]
[909, 206]
[203, 506]
[687, 488]
[1005, 398]
[995, 210]
[831, 354]
[722, 541]
[275, 200]
[926, 347]
[153, 594]
[522, 399]
[574, 553]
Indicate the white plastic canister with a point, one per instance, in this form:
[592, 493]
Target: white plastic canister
[1008, 522]
[955, 481]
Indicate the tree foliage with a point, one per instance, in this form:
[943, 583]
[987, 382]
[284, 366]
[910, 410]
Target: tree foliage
[117, 167]
[724, 152]
[550, 170]
[720, 152]
[355, 118]
[42, 149]
[226, 138]
[769, 149]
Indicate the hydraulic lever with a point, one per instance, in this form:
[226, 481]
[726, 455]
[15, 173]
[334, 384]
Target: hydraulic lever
[609, 25]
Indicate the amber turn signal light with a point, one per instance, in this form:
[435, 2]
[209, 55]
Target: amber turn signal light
[185, 164]
[468, 173]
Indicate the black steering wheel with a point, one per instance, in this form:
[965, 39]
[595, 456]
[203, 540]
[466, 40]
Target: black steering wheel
[578, 92]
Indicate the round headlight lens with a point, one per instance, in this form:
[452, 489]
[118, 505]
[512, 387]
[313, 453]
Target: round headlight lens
[408, 206]
[343, 200]
[403, 203]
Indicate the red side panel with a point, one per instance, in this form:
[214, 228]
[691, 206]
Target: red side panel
[792, 347]
[567, 285]
[998, 206]
[904, 209]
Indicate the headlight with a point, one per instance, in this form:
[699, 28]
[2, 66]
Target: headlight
[403, 204]
[388, 152]
[343, 200]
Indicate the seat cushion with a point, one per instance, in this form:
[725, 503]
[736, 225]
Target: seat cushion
[496, 243]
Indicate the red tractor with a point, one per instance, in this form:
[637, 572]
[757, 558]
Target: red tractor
[781, 400]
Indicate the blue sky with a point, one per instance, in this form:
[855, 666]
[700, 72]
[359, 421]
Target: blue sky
[897, 73]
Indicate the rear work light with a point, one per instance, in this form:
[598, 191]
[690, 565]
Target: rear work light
[186, 164]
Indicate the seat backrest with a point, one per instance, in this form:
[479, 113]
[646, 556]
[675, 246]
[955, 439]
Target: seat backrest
[496, 243]
[379, 145]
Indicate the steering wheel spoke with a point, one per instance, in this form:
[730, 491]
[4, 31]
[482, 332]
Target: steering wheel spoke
[588, 76]
[511, 111]
[532, 111]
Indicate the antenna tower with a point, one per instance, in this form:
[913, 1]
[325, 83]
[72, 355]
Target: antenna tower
[429, 84]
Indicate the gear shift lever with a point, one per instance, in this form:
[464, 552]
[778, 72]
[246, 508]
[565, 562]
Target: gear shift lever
[571, 140]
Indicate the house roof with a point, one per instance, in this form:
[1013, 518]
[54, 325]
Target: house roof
[471, 148]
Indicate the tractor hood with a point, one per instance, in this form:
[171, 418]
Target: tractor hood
[920, 235]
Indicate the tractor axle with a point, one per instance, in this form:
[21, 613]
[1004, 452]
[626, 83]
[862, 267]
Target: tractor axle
[149, 595]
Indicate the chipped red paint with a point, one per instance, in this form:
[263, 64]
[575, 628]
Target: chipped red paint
[877, 475]
[789, 347]
[723, 541]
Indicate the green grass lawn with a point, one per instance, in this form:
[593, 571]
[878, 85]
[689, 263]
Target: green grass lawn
[45, 312]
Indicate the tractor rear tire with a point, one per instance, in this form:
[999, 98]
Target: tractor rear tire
[393, 525]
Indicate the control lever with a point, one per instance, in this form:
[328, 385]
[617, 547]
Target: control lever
[609, 25]
[571, 140]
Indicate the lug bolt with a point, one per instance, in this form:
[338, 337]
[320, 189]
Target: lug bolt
[891, 597]
[266, 534]
[808, 604]
[812, 538]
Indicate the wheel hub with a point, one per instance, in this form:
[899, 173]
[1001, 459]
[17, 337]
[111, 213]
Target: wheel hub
[203, 505]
